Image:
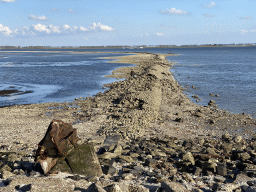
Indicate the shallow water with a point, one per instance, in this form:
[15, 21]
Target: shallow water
[228, 72]
[52, 77]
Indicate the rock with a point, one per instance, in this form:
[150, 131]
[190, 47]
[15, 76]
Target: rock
[5, 174]
[12, 158]
[220, 179]
[95, 188]
[117, 188]
[128, 159]
[137, 188]
[172, 187]
[195, 96]
[242, 177]
[107, 155]
[222, 169]
[227, 147]
[211, 102]
[251, 189]
[226, 137]
[23, 187]
[118, 150]
[187, 177]
[188, 157]
[158, 153]
[243, 156]
[211, 150]
[83, 161]
[5, 168]
[197, 171]
[238, 139]
[111, 140]
[108, 169]
[127, 176]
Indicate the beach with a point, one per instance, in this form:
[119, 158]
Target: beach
[148, 104]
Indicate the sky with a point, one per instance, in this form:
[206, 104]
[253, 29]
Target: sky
[122, 22]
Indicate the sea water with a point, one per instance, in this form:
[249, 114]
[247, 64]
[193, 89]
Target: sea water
[39, 77]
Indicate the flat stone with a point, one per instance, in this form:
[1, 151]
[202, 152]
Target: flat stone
[107, 155]
[173, 187]
[220, 179]
[128, 159]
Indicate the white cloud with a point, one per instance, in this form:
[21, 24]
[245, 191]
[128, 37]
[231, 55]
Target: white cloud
[42, 28]
[66, 27]
[174, 11]
[101, 27]
[70, 11]
[210, 5]
[247, 17]
[5, 30]
[8, 1]
[83, 29]
[160, 34]
[243, 31]
[55, 29]
[208, 15]
[39, 18]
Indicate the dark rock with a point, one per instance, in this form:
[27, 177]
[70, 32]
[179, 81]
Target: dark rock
[95, 188]
[150, 162]
[222, 169]
[24, 187]
[197, 171]
[211, 102]
[109, 170]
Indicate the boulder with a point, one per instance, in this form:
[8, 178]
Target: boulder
[59, 151]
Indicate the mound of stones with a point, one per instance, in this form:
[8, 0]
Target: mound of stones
[169, 164]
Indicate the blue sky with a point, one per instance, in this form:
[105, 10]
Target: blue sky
[121, 22]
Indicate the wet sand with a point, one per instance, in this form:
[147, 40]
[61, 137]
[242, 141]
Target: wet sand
[150, 104]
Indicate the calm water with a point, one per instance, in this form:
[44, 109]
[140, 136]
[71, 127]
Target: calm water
[228, 72]
[52, 77]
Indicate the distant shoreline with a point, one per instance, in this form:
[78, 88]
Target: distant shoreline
[124, 47]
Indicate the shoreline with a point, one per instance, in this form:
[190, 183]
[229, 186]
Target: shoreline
[164, 135]
[133, 106]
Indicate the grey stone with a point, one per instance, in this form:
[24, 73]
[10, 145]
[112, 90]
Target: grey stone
[109, 170]
[238, 139]
[197, 171]
[220, 179]
[222, 169]
[172, 187]
[150, 162]
[188, 157]
[138, 188]
[244, 156]
[95, 188]
[5, 174]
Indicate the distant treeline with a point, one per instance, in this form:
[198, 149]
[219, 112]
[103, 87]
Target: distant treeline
[127, 47]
